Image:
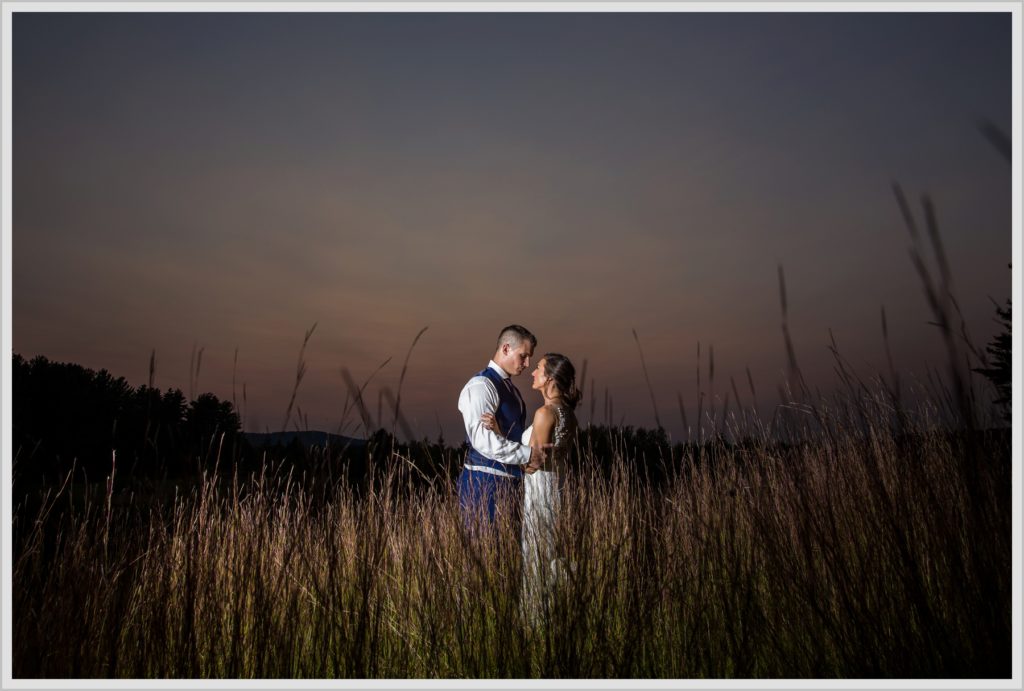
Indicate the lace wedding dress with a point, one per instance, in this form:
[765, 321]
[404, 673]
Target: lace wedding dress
[541, 502]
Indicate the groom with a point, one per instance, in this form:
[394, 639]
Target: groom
[491, 481]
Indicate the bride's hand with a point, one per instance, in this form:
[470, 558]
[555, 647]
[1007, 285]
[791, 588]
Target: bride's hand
[537, 459]
[490, 422]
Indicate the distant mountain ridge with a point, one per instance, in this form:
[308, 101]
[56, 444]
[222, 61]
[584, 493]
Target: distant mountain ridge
[307, 439]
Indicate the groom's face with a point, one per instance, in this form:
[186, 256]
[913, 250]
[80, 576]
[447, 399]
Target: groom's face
[517, 358]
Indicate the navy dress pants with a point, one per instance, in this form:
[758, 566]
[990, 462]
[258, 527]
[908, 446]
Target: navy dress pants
[489, 499]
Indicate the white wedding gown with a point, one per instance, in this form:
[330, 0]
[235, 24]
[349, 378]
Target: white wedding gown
[541, 499]
[541, 502]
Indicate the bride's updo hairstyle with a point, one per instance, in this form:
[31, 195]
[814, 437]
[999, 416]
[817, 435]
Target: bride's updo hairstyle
[559, 368]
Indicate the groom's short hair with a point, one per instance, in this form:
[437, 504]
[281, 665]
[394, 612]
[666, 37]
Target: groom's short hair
[514, 335]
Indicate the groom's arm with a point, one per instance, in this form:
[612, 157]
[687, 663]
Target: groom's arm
[478, 397]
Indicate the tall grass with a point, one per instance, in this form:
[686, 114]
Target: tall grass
[859, 548]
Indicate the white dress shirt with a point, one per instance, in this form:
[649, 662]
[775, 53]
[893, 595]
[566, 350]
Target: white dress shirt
[478, 397]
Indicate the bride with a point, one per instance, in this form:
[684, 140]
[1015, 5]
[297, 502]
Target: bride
[554, 428]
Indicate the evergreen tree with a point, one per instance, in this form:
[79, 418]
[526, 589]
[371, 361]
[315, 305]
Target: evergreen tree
[1000, 369]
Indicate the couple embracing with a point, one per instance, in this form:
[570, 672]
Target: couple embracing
[512, 469]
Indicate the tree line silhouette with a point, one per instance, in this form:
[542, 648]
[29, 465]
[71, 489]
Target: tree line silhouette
[65, 415]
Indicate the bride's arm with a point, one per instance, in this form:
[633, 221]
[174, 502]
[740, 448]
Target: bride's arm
[477, 397]
[491, 423]
[543, 435]
[540, 441]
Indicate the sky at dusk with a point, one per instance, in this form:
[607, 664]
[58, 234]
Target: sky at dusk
[224, 181]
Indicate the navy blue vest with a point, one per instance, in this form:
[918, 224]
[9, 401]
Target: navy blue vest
[511, 417]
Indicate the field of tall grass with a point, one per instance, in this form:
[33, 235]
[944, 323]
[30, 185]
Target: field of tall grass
[866, 545]
[866, 533]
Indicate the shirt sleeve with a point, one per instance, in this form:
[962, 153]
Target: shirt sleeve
[478, 397]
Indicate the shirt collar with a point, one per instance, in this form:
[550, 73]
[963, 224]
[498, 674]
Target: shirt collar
[497, 368]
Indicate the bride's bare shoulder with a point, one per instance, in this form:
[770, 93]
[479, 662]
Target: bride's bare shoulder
[545, 415]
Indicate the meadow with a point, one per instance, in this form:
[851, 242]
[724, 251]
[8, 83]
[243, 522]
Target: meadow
[868, 543]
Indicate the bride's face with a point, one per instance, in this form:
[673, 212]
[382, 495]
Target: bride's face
[540, 380]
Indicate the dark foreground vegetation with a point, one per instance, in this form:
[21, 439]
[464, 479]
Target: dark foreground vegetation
[856, 539]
